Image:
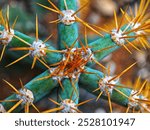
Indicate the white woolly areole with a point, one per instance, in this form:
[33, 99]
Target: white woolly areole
[103, 84]
[133, 103]
[73, 75]
[2, 109]
[55, 77]
[8, 35]
[88, 55]
[136, 25]
[26, 95]
[117, 37]
[76, 74]
[68, 105]
[67, 18]
[38, 47]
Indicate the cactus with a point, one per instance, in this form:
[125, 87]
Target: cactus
[71, 66]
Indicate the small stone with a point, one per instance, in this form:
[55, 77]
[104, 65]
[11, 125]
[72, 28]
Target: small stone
[105, 7]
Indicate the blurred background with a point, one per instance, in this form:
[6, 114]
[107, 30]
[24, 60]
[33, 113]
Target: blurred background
[98, 12]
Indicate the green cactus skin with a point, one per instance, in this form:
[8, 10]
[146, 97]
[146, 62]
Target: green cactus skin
[39, 88]
[90, 82]
[106, 42]
[67, 33]
[69, 91]
[51, 57]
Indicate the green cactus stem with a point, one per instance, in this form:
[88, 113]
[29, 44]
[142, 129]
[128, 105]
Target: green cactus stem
[39, 88]
[51, 56]
[106, 45]
[71, 90]
[67, 33]
[90, 82]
